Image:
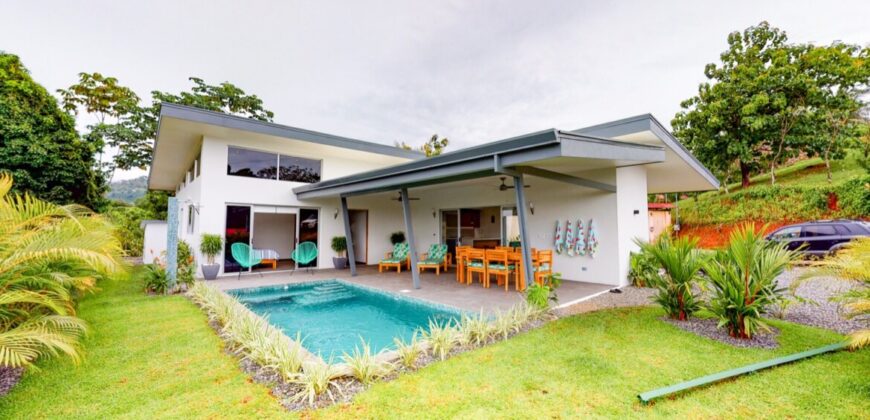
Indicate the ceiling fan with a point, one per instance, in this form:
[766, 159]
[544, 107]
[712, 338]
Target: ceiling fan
[399, 198]
[504, 187]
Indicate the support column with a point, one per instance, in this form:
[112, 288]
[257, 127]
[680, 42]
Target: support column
[351, 259]
[524, 232]
[409, 230]
[172, 242]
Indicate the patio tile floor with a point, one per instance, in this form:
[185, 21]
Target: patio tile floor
[441, 289]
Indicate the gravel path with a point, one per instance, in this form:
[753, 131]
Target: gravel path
[823, 313]
[630, 296]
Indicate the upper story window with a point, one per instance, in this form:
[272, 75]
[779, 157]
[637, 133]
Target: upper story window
[254, 164]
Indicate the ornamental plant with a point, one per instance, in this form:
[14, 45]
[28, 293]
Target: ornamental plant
[743, 279]
[210, 245]
[339, 245]
[681, 264]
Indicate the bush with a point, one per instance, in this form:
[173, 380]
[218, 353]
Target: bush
[642, 269]
[681, 263]
[210, 245]
[397, 237]
[156, 279]
[540, 295]
[743, 279]
[854, 197]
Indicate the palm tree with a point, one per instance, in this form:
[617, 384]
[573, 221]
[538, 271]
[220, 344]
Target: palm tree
[743, 279]
[852, 263]
[681, 262]
[49, 255]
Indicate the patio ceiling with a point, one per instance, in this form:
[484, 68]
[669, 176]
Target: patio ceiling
[551, 154]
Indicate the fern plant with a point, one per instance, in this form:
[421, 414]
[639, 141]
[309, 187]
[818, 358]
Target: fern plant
[681, 264]
[49, 254]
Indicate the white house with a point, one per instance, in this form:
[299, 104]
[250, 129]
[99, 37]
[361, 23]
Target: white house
[273, 186]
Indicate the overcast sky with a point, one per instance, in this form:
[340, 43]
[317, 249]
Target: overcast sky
[403, 70]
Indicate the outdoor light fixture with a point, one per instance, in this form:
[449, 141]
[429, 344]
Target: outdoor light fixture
[335, 215]
[433, 213]
[532, 207]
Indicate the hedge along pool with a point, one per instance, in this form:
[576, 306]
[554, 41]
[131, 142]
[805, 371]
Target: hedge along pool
[332, 315]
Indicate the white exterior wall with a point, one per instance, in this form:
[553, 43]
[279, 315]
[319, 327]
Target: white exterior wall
[214, 190]
[631, 214]
[154, 242]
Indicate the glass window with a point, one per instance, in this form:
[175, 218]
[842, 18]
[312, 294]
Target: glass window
[787, 233]
[250, 163]
[818, 230]
[299, 169]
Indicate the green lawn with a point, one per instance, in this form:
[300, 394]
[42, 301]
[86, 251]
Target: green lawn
[155, 357]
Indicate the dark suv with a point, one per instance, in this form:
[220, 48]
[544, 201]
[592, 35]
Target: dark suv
[821, 237]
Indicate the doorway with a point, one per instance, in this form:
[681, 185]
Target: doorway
[359, 232]
[273, 232]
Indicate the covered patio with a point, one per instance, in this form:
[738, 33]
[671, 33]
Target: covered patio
[443, 289]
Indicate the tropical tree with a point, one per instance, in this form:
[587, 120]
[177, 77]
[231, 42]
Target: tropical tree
[49, 255]
[39, 144]
[433, 147]
[681, 263]
[743, 279]
[852, 264]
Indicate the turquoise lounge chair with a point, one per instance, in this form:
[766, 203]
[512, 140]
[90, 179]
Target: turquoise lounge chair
[305, 253]
[242, 254]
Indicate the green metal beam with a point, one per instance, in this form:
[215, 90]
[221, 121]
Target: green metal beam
[648, 396]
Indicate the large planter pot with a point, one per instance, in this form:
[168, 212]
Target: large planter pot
[210, 271]
[340, 263]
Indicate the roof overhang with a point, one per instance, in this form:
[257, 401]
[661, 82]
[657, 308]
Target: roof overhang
[549, 151]
[679, 172]
[181, 129]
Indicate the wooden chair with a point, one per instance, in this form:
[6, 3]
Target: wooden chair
[396, 258]
[504, 248]
[436, 258]
[475, 262]
[460, 262]
[515, 259]
[497, 265]
[544, 266]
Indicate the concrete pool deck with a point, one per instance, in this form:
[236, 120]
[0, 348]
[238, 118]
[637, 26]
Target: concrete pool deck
[441, 289]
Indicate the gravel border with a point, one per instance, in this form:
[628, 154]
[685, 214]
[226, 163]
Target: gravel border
[709, 328]
[630, 296]
[8, 378]
[820, 311]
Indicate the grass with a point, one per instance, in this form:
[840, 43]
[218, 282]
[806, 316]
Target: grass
[800, 194]
[146, 357]
[153, 357]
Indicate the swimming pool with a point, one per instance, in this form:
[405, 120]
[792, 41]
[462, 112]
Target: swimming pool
[332, 315]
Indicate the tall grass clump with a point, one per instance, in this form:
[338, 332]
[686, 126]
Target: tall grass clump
[743, 279]
[49, 256]
[852, 264]
[409, 352]
[442, 338]
[474, 330]
[365, 366]
[681, 264]
[316, 379]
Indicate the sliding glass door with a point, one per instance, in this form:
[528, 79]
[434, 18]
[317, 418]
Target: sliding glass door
[238, 229]
[309, 219]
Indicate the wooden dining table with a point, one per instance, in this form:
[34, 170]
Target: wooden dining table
[515, 258]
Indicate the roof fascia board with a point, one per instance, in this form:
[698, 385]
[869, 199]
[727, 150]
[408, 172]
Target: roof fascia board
[594, 148]
[646, 122]
[170, 110]
[570, 179]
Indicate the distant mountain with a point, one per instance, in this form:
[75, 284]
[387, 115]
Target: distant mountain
[128, 190]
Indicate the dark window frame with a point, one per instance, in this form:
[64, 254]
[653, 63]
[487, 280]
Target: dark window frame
[277, 176]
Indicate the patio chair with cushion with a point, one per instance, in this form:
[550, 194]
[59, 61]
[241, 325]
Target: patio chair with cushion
[305, 253]
[436, 258]
[242, 254]
[460, 262]
[475, 262]
[497, 265]
[396, 258]
[544, 266]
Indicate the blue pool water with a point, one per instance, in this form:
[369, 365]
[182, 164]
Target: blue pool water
[332, 315]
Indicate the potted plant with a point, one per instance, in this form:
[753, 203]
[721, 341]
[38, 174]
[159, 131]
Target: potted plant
[397, 237]
[339, 245]
[210, 245]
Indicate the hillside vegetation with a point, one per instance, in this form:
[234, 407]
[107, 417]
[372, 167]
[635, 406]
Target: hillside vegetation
[128, 190]
[802, 192]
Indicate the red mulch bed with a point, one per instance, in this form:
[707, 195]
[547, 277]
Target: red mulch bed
[716, 236]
